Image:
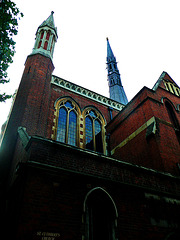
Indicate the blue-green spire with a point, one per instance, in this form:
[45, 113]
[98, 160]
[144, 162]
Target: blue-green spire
[110, 55]
[116, 90]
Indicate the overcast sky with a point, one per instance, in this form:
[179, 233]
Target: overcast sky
[144, 36]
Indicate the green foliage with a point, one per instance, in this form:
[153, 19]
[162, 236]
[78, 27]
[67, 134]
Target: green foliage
[9, 16]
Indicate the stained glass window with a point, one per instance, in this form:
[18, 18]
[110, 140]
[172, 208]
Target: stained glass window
[67, 124]
[61, 130]
[72, 128]
[93, 132]
[89, 133]
[92, 114]
[68, 105]
[98, 136]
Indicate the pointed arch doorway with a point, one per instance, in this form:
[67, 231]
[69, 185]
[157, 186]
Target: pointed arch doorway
[100, 215]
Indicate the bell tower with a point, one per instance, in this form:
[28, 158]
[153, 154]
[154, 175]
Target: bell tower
[116, 89]
[31, 102]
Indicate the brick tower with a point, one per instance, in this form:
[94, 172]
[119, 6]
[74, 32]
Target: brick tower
[35, 84]
[32, 96]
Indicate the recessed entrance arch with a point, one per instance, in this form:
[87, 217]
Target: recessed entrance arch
[100, 215]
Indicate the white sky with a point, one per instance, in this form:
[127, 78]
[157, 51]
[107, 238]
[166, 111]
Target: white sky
[144, 36]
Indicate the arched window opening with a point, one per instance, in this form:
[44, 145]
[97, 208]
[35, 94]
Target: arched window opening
[100, 216]
[62, 121]
[98, 136]
[172, 115]
[39, 45]
[67, 123]
[89, 133]
[42, 34]
[93, 131]
[45, 45]
[48, 35]
[51, 48]
[173, 119]
[41, 37]
[72, 130]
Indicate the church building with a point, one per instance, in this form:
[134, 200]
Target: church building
[76, 165]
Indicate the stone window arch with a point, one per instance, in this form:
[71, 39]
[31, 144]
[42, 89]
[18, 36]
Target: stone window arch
[41, 38]
[94, 131]
[66, 127]
[46, 43]
[52, 44]
[100, 215]
[48, 34]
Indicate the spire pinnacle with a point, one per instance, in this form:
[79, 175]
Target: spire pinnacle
[116, 90]
[110, 55]
[49, 22]
[46, 36]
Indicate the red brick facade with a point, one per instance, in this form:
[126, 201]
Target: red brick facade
[49, 187]
[159, 150]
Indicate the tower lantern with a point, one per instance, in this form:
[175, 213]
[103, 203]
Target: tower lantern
[46, 36]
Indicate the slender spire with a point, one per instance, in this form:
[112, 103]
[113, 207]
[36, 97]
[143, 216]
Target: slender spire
[116, 90]
[110, 55]
[49, 22]
[46, 36]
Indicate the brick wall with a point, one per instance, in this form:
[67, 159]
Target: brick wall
[159, 151]
[54, 186]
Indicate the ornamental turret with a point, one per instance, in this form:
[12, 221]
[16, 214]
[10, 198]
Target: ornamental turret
[46, 36]
[116, 90]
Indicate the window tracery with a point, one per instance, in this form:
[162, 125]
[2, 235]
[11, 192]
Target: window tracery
[41, 37]
[67, 121]
[84, 130]
[94, 131]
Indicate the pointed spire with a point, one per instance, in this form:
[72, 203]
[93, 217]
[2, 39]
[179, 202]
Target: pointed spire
[116, 90]
[110, 55]
[46, 36]
[49, 22]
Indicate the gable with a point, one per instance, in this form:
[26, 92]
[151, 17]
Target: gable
[167, 83]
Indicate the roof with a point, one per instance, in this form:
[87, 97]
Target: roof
[49, 22]
[164, 76]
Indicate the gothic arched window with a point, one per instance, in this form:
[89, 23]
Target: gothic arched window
[39, 44]
[173, 119]
[52, 44]
[42, 34]
[67, 122]
[45, 45]
[41, 37]
[47, 39]
[48, 35]
[94, 133]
